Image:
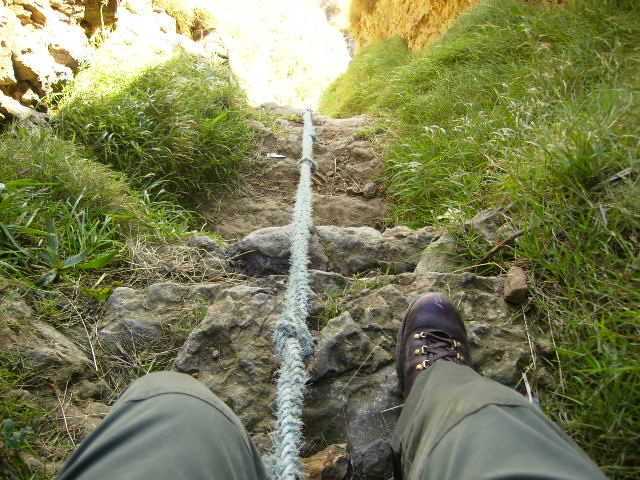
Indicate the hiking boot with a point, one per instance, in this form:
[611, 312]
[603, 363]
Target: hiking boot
[432, 330]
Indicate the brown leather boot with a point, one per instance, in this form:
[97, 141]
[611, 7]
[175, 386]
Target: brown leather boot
[432, 330]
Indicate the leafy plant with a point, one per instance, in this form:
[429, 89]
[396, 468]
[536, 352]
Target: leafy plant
[51, 256]
[13, 438]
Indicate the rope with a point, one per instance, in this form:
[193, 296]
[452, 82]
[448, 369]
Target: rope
[294, 342]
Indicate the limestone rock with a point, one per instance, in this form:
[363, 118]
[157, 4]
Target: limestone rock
[11, 108]
[343, 346]
[36, 66]
[68, 46]
[99, 14]
[420, 22]
[267, 251]
[487, 224]
[44, 42]
[32, 11]
[332, 463]
[346, 250]
[7, 75]
[515, 286]
[231, 352]
[41, 345]
[439, 256]
[356, 407]
[142, 317]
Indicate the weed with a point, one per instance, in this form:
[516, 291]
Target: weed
[333, 307]
[369, 133]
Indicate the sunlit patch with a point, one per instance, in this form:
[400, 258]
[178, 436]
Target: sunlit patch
[282, 51]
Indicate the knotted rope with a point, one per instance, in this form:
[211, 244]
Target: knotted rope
[294, 342]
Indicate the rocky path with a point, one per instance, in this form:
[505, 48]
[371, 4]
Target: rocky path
[345, 193]
[210, 312]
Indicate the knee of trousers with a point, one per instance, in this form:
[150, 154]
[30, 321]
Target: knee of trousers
[159, 384]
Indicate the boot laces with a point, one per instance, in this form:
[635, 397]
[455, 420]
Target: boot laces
[437, 347]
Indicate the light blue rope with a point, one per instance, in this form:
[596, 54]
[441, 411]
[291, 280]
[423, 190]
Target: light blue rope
[294, 342]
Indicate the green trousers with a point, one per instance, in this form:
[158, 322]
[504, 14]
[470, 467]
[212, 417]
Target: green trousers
[454, 425]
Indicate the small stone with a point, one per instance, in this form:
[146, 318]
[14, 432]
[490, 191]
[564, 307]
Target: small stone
[362, 153]
[205, 243]
[468, 277]
[487, 223]
[343, 346]
[369, 191]
[543, 378]
[331, 463]
[544, 347]
[439, 256]
[515, 286]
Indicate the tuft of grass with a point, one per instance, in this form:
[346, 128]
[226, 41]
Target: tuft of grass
[193, 17]
[536, 104]
[44, 158]
[62, 213]
[352, 91]
[182, 122]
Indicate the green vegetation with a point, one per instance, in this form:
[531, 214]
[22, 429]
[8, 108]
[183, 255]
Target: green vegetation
[536, 104]
[182, 122]
[17, 416]
[349, 94]
[193, 17]
[61, 212]
[131, 149]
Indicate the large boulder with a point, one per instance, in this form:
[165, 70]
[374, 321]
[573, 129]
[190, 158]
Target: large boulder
[346, 250]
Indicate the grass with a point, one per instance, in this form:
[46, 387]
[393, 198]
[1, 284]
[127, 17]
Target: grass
[193, 17]
[348, 94]
[130, 150]
[25, 428]
[182, 122]
[536, 104]
[64, 211]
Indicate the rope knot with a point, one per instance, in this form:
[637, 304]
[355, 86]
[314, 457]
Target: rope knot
[312, 164]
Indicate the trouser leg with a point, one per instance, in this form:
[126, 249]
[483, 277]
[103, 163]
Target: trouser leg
[167, 426]
[458, 425]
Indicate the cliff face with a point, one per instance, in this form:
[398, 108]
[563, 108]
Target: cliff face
[420, 22]
[43, 43]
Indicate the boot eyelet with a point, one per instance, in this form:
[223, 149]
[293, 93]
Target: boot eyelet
[423, 365]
